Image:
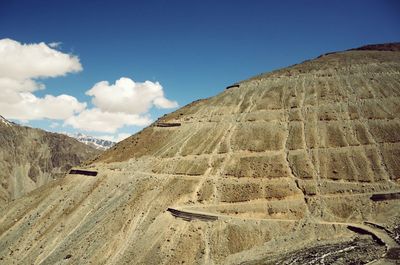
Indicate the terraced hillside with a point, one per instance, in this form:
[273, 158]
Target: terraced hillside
[300, 165]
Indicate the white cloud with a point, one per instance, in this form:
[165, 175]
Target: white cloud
[26, 106]
[115, 138]
[121, 104]
[164, 103]
[27, 61]
[23, 85]
[55, 44]
[20, 67]
[54, 125]
[103, 121]
[23, 66]
[128, 96]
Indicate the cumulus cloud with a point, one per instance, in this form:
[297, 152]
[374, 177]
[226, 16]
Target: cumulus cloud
[128, 96]
[21, 65]
[26, 106]
[55, 44]
[27, 61]
[115, 138]
[102, 121]
[20, 85]
[116, 105]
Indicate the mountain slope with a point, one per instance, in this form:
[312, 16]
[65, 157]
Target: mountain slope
[31, 157]
[294, 166]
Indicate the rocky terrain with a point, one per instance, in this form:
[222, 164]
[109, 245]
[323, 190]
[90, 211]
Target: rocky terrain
[30, 158]
[296, 166]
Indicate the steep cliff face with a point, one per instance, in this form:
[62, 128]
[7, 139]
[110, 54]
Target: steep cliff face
[294, 166]
[31, 157]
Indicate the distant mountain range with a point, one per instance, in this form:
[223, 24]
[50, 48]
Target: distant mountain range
[30, 158]
[97, 143]
[92, 141]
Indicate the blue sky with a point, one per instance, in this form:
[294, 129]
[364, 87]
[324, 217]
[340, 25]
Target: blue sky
[194, 49]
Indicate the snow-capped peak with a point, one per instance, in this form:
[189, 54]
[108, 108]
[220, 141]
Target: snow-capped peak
[92, 141]
[5, 121]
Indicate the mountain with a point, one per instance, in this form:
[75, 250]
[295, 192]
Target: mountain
[5, 122]
[92, 141]
[30, 158]
[295, 166]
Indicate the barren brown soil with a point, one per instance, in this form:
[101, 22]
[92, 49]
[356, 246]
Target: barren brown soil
[30, 158]
[279, 169]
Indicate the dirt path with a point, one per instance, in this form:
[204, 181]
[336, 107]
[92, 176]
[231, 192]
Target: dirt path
[378, 233]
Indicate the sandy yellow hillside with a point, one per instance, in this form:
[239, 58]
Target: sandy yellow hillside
[296, 166]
